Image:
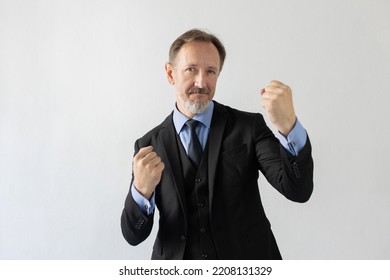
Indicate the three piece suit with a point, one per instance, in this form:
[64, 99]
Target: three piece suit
[215, 211]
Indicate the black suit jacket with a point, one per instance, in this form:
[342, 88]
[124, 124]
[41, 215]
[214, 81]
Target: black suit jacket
[240, 145]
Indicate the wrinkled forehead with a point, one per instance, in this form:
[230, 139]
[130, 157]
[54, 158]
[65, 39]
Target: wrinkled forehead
[198, 53]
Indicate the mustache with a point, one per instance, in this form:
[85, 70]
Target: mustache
[198, 90]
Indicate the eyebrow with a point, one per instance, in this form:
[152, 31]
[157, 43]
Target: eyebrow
[196, 65]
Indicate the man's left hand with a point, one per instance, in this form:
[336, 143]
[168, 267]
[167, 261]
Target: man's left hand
[278, 102]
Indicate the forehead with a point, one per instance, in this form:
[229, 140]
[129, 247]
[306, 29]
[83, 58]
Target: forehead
[198, 52]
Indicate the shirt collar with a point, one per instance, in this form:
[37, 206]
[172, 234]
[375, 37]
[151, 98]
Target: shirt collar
[205, 118]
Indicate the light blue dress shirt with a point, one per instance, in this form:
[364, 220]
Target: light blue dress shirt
[293, 143]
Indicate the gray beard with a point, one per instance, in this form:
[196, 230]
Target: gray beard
[196, 107]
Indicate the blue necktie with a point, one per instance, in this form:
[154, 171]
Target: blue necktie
[194, 148]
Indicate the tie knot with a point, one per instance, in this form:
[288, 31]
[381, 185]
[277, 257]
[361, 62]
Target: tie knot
[192, 124]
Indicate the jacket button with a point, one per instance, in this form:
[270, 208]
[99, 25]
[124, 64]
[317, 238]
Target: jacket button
[204, 256]
[296, 170]
[197, 180]
[183, 237]
[203, 230]
[200, 204]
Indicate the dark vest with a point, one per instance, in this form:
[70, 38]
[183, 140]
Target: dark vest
[199, 243]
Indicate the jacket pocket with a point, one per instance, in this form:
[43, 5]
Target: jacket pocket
[258, 230]
[232, 153]
[232, 163]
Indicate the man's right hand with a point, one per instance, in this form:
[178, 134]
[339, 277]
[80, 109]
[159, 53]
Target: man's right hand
[147, 167]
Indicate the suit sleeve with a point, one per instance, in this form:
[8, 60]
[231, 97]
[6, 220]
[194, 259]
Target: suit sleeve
[136, 226]
[291, 175]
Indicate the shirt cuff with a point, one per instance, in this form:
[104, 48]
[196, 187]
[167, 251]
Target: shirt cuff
[295, 141]
[146, 206]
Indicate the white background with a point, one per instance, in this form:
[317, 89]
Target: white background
[80, 81]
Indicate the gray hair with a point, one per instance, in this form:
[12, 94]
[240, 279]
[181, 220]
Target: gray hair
[197, 35]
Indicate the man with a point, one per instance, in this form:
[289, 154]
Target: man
[202, 175]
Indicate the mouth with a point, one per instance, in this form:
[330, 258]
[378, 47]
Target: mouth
[198, 91]
[198, 94]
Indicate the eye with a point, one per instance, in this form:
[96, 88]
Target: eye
[191, 69]
[212, 72]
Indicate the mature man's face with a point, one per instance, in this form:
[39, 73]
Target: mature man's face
[194, 73]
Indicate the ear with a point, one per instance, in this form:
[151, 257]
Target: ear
[169, 71]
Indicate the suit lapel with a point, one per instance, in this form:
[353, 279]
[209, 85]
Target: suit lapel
[217, 128]
[167, 137]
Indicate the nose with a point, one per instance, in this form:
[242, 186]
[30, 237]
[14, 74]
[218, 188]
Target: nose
[200, 80]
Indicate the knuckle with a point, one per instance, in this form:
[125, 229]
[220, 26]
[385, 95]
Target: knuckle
[136, 162]
[143, 164]
[136, 157]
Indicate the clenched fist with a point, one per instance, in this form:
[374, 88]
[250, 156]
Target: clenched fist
[147, 167]
[277, 101]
